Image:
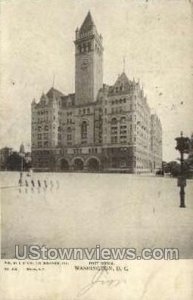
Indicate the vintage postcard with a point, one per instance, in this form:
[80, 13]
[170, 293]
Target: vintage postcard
[96, 149]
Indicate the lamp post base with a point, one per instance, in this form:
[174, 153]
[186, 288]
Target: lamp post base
[182, 205]
[182, 197]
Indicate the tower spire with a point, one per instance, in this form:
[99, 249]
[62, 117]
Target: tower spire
[123, 64]
[53, 82]
[89, 62]
[87, 24]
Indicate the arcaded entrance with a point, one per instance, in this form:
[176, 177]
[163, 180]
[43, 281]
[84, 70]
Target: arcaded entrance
[64, 165]
[93, 165]
[78, 164]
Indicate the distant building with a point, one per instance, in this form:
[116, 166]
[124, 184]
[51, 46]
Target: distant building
[22, 149]
[100, 127]
[156, 142]
[190, 155]
[191, 146]
[4, 154]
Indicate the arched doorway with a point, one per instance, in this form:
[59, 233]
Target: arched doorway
[93, 165]
[78, 164]
[64, 165]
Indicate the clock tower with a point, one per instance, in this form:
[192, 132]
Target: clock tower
[88, 62]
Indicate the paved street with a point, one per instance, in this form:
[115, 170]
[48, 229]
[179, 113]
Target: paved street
[85, 210]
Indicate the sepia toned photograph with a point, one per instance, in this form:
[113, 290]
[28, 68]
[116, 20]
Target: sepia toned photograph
[96, 138]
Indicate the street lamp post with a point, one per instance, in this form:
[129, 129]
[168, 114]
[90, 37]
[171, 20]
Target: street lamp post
[21, 154]
[21, 162]
[183, 144]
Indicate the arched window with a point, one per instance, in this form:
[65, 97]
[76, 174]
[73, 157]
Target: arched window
[114, 121]
[84, 130]
[123, 120]
[69, 129]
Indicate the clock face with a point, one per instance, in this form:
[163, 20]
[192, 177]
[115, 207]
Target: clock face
[84, 64]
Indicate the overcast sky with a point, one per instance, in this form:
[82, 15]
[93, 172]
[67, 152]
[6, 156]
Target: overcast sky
[156, 37]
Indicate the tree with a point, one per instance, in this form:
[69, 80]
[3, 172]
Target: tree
[14, 163]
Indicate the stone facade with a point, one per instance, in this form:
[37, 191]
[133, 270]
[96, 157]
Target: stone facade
[190, 154]
[156, 142]
[100, 127]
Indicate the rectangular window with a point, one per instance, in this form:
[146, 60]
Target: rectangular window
[114, 139]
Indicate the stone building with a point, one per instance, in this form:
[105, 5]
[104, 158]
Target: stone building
[190, 155]
[191, 146]
[156, 142]
[99, 127]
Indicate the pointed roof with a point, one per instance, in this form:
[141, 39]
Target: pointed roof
[43, 100]
[122, 79]
[53, 93]
[87, 24]
[122, 85]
